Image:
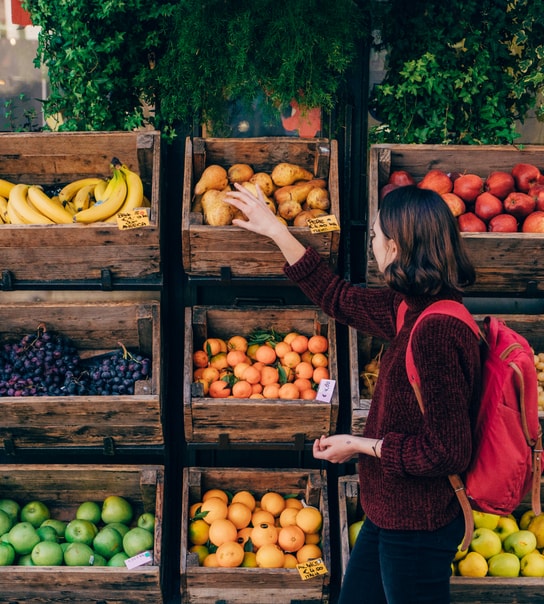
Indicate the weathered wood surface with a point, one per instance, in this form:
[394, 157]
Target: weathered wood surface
[243, 585]
[506, 263]
[255, 420]
[206, 250]
[85, 421]
[63, 487]
[59, 253]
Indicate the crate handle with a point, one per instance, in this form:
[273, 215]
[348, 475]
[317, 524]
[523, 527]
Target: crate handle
[106, 279]
[258, 301]
[7, 280]
[9, 446]
[109, 446]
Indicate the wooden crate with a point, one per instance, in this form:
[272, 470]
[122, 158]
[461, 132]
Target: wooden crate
[83, 422]
[233, 251]
[362, 348]
[233, 420]
[99, 252]
[62, 488]
[485, 590]
[242, 585]
[506, 263]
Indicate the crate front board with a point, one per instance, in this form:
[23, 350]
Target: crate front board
[484, 590]
[509, 263]
[34, 422]
[74, 252]
[63, 487]
[255, 420]
[209, 250]
[242, 585]
[363, 348]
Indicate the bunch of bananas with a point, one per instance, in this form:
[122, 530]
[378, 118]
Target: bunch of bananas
[85, 200]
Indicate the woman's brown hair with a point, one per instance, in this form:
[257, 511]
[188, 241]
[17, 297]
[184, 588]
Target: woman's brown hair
[431, 255]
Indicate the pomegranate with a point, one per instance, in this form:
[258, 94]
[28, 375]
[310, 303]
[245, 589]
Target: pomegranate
[401, 178]
[468, 187]
[436, 180]
[519, 204]
[500, 184]
[534, 223]
[487, 206]
[537, 193]
[503, 223]
[525, 175]
[470, 223]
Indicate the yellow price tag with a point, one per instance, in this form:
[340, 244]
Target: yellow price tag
[133, 220]
[322, 224]
[312, 568]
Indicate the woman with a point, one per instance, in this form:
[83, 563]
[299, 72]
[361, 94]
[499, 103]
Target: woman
[413, 522]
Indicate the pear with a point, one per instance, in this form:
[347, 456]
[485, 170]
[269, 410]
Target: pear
[213, 177]
[286, 173]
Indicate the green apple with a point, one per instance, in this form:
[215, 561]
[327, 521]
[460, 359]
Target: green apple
[120, 527]
[47, 553]
[108, 542]
[25, 560]
[7, 554]
[118, 560]
[137, 540]
[99, 560]
[78, 554]
[58, 525]
[146, 521]
[504, 564]
[23, 537]
[353, 532]
[536, 526]
[12, 508]
[506, 526]
[473, 565]
[116, 509]
[4, 537]
[35, 512]
[5, 522]
[526, 518]
[520, 543]
[47, 533]
[485, 542]
[485, 519]
[80, 531]
[89, 510]
[532, 564]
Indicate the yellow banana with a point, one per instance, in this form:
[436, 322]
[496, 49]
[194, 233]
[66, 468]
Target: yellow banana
[135, 192]
[4, 209]
[5, 187]
[19, 209]
[47, 206]
[100, 189]
[82, 199]
[68, 192]
[113, 199]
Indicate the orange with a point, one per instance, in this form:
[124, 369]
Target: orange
[304, 370]
[197, 373]
[210, 374]
[290, 336]
[273, 502]
[211, 560]
[318, 343]
[222, 530]
[259, 365]
[307, 552]
[320, 360]
[244, 535]
[219, 361]
[257, 389]
[291, 359]
[257, 395]
[198, 532]
[237, 343]
[201, 551]
[281, 349]
[241, 389]
[299, 344]
[219, 389]
[303, 383]
[290, 561]
[251, 349]
[244, 497]
[265, 354]
[314, 538]
[213, 346]
[240, 369]
[215, 493]
[269, 556]
[250, 560]
[263, 534]
[271, 391]
[287, 374]
[307, 356]
[195, 507]
[291, 538]
[216, 509]
[287, 517]
[309, 519]
[293, 502]
[260, 516]
[251, 374]
[230, 554]
[236, 356]
[288, 391]
[308, 395]
[269, 375]
[320, 373]
[239, 514]
[200, 358]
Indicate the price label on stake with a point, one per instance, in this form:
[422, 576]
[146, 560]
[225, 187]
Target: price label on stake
[312, 568]
[139, 559]
[133, 220]
[325, 391]
[322, 224]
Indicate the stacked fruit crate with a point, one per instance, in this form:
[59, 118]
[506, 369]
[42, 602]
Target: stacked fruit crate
[82, 366]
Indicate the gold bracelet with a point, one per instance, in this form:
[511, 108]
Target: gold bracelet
[374, 448]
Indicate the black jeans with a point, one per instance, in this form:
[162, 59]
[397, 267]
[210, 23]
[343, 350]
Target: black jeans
[401, 567]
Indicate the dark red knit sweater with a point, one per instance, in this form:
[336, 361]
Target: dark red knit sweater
[408, 487]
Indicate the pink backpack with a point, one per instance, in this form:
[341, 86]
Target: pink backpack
[506, 461]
